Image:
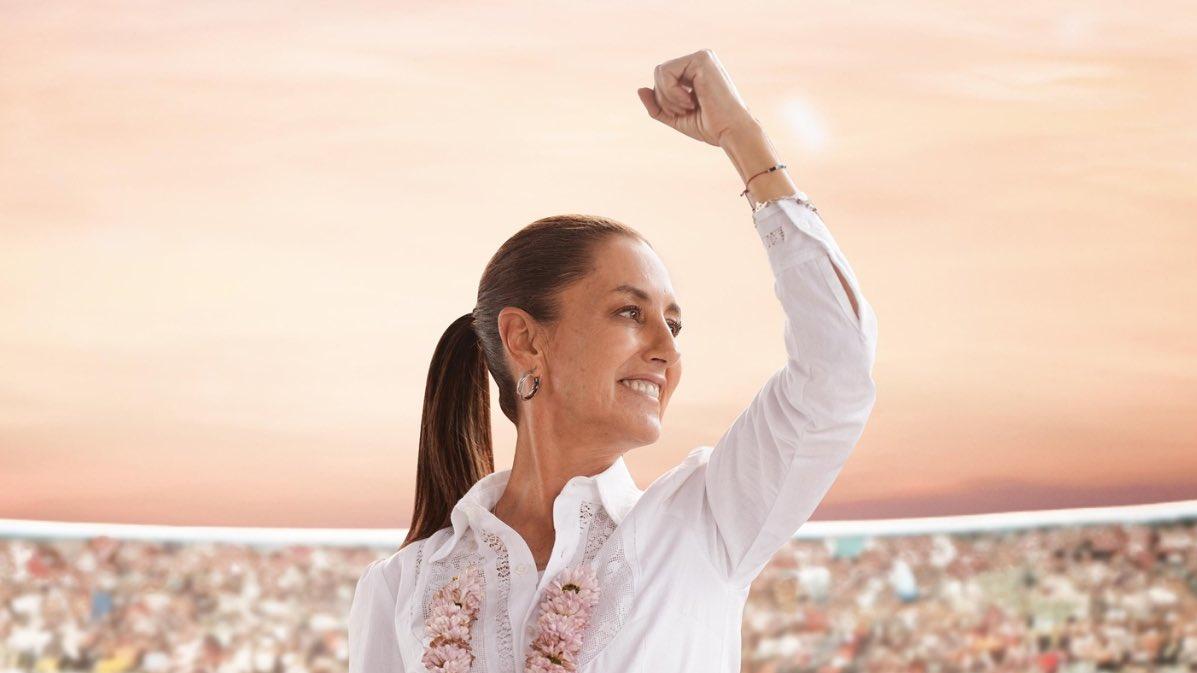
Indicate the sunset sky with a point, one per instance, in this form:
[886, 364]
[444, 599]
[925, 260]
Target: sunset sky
[231, 235]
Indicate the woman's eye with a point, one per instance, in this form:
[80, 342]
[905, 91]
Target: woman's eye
[674, 325]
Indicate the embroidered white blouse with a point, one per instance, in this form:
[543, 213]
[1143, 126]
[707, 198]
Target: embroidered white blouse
[674, 561]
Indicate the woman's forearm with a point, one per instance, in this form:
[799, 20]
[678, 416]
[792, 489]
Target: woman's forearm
[751, 152]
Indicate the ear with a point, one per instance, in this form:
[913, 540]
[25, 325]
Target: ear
[522, 337]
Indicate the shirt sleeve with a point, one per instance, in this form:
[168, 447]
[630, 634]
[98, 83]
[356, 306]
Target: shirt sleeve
[771, 468]
[373, 642]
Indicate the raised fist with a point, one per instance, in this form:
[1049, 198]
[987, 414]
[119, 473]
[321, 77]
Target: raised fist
[695, 95]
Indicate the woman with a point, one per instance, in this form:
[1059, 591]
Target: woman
[562, 562]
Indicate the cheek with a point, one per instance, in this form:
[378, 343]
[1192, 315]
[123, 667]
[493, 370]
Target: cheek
[675, 378]
[590, 365]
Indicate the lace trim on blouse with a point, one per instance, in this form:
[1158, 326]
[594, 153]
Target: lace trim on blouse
[615, 582]
[503, 631]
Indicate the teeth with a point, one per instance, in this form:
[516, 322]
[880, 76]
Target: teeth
[646, 387]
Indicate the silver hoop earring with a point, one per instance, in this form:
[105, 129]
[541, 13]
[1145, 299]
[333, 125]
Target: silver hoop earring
[520, 384]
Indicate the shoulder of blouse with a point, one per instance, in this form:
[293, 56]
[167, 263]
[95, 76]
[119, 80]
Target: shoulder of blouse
[668, 486]
[390, 568]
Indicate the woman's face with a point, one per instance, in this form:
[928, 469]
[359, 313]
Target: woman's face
[619, 322]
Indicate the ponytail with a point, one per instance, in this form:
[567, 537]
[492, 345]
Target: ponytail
[455, 439]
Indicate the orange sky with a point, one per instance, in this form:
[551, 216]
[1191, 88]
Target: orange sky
[231, 235]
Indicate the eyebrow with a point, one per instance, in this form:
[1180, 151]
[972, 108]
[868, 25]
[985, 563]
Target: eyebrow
[643, 296]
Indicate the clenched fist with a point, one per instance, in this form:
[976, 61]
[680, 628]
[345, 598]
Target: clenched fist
[695, 95]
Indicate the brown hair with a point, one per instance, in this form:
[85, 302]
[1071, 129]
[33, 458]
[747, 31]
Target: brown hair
[529, 271]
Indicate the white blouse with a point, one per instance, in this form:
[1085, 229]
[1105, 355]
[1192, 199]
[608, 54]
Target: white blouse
[675, 561]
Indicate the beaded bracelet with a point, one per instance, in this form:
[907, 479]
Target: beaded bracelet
[755, 207]
[767, 170]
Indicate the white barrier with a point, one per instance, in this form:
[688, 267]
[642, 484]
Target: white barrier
[28, 529]
[393, 537]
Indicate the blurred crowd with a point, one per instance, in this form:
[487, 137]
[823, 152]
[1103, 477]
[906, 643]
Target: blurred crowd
[113, 606]
[1049, 600]
[1056, 599]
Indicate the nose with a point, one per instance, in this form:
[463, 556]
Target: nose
[664, 346]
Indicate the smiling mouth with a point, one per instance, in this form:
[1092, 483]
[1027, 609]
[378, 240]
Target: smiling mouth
[646, 388]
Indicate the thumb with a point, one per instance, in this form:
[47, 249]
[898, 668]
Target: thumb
[650, 101]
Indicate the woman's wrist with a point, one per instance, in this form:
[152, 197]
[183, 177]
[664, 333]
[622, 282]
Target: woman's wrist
[750, 151]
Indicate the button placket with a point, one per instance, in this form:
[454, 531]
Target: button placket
[520, 600]
[523, 602]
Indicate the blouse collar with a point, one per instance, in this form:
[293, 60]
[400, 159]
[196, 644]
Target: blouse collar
[614, 486]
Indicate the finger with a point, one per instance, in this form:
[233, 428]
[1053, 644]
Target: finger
[668, 108]
[663, 103]
[670, 75]
[650, 102]
[680, 95]
[664, 84]
[691, 98]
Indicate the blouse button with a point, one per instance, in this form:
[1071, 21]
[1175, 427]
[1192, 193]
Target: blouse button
[522, 568]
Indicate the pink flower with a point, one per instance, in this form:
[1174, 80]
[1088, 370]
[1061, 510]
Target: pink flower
[538, 663]
[554, 628]
[579, 580]
[455, 626]
[565, 603]
[463, 590]
[449, 658]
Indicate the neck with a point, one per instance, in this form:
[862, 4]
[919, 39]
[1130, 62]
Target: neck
[537, 478]
[526, 504]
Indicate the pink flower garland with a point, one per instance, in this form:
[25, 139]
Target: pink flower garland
[454, 608]
[564, 614]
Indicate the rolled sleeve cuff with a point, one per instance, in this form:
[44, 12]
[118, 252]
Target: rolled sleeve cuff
[792, 232]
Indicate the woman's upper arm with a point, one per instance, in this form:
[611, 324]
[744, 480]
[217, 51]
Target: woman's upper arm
[373, 641]
[768, 472]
